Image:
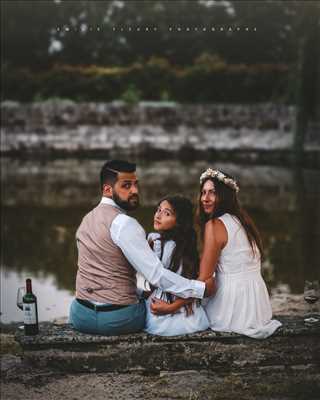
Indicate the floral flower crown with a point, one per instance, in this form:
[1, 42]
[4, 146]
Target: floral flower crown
[213, 173]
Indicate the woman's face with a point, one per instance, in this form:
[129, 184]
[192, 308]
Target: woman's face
[208, 197]
[164, 217]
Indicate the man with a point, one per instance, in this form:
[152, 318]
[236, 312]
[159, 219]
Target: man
[111, 248]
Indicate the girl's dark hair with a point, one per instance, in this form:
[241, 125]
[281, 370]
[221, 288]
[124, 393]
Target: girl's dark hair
[185, 237]
[227, 202]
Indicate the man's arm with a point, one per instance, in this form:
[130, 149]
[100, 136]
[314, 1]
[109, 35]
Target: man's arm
[129, 235]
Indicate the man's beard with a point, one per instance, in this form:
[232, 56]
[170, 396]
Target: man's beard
[129, 205]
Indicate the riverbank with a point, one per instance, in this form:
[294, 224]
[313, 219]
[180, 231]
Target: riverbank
[299, 382]
[283, 303]
[185, 385]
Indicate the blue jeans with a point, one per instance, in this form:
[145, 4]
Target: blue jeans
[129, 319]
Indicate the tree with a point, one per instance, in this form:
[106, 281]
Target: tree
[308, 101]
[84, 31]
[26, 31]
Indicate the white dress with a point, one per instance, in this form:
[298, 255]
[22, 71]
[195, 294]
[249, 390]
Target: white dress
[178, 323]
[241, 303]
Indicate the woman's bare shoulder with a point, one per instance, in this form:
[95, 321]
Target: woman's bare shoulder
[216, 230]
[214, 225]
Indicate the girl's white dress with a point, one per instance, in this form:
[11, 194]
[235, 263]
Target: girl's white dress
[172, 324]
[241, 303]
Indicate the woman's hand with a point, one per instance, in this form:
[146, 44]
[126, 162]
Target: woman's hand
[160, 307]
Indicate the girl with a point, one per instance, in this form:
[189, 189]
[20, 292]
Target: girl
[175, 243]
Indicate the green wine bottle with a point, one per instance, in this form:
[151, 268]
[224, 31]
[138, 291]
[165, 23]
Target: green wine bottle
[30, 311]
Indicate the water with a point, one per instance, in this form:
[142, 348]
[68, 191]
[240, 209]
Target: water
[43, 203]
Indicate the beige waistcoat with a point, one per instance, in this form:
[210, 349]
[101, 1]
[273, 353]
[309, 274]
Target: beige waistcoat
[104, 274]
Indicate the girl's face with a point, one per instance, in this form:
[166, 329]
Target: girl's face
[164, 217]
[208, 197]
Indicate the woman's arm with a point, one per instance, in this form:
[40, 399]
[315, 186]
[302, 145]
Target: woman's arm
[215, 238]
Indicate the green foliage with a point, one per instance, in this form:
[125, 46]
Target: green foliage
[30, 26]
[193, 66]
[131, 95]
[210, 62]
[165, 95]
[209, 79]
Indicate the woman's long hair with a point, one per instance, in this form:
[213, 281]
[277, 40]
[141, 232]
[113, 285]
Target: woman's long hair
[184, 236]
[227, 202]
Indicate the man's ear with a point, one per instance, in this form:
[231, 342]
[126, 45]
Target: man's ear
[107, 190]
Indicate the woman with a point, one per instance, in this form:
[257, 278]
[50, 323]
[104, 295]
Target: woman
[232, 249]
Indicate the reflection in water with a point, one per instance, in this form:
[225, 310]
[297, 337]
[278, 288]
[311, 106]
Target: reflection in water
[43, 203]
[52, 302]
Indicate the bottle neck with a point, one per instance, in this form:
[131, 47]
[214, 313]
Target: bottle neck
[28, 286]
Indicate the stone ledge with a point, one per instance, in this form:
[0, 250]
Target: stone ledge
[62, 336]
[62, 348]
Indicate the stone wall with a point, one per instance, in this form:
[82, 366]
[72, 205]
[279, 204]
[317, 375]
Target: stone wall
[65, 126]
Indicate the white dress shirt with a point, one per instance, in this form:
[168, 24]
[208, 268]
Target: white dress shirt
[129, 235]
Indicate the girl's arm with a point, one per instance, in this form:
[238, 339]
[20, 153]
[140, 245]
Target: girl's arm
[215, 238]
[160, 307]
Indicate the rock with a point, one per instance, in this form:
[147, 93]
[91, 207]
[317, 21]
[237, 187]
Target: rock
[9, 361]
[60, 347]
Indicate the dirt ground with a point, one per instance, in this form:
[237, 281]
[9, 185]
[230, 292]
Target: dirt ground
[189, 385]
[277, 383]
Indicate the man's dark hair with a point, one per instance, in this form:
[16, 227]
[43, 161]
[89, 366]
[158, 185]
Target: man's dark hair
[110, 169]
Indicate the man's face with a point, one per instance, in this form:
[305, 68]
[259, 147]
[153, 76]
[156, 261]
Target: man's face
[125, 192]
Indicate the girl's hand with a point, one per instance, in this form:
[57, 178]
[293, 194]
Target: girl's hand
[160, 307]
